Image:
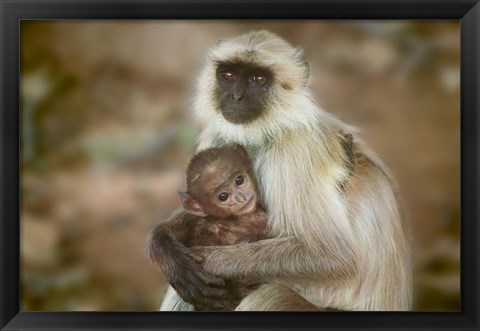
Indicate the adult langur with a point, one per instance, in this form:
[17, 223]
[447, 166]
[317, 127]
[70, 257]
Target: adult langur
[338, 237]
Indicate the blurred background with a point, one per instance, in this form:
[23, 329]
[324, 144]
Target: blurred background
[106, 133]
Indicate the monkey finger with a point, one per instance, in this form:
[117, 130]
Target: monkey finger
[197, 274]
[218, 306]
[201, 288]
[211, 305]
[212, 292]
[203, 299]
[211, 280]
[193, 289]
[196, 256]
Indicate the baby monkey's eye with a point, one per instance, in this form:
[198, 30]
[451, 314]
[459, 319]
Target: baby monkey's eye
[239, 180]
[223, 196]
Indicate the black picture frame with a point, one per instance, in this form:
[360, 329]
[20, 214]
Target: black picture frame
[12, 11]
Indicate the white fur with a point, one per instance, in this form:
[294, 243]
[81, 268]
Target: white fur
[173, 302]
[299, 162]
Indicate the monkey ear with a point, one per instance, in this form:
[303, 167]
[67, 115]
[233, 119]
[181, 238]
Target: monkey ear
[349, 138]
[307, 71]
[191, 205]
[347, 143]
[300, 56]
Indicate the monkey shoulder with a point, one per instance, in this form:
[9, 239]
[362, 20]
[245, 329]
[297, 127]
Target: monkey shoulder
[206, 225]
[205, 232]
[256, 224]
[259, 218]
[367, 165]
[368, 175]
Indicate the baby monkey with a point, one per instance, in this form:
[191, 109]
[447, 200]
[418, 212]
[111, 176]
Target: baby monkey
[223, 193]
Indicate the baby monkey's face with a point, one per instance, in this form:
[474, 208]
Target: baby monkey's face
[233, 193]
[220, 183]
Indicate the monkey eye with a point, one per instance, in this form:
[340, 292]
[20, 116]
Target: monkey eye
[229, 76]
[223, 196]
[239, 180]
[258, 80]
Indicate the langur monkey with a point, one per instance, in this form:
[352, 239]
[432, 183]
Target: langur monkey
[223, 193]
[337, 237]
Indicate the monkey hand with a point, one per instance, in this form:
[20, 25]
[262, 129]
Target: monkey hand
[194, 285]
[205, 256]
[201, 253]
[198, 287]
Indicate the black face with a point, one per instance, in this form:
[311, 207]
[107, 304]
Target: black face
[242, 91]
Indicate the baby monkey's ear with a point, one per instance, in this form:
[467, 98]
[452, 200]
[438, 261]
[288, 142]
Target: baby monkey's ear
[191, 205]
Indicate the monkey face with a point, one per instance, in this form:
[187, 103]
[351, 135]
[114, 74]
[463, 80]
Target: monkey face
[238, 197]
[242, 91]
[227, 193]
[220, 183]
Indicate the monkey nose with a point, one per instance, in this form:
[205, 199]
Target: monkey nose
[238, 96]
[240, 197]
[243, 196]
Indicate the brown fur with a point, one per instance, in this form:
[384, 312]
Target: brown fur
[205, 171]
[213, 231]
[221, 225]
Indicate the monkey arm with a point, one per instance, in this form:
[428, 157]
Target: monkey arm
[330, 253]
[320, 240]
[178, 226]
[277, 258]
[166, 248]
